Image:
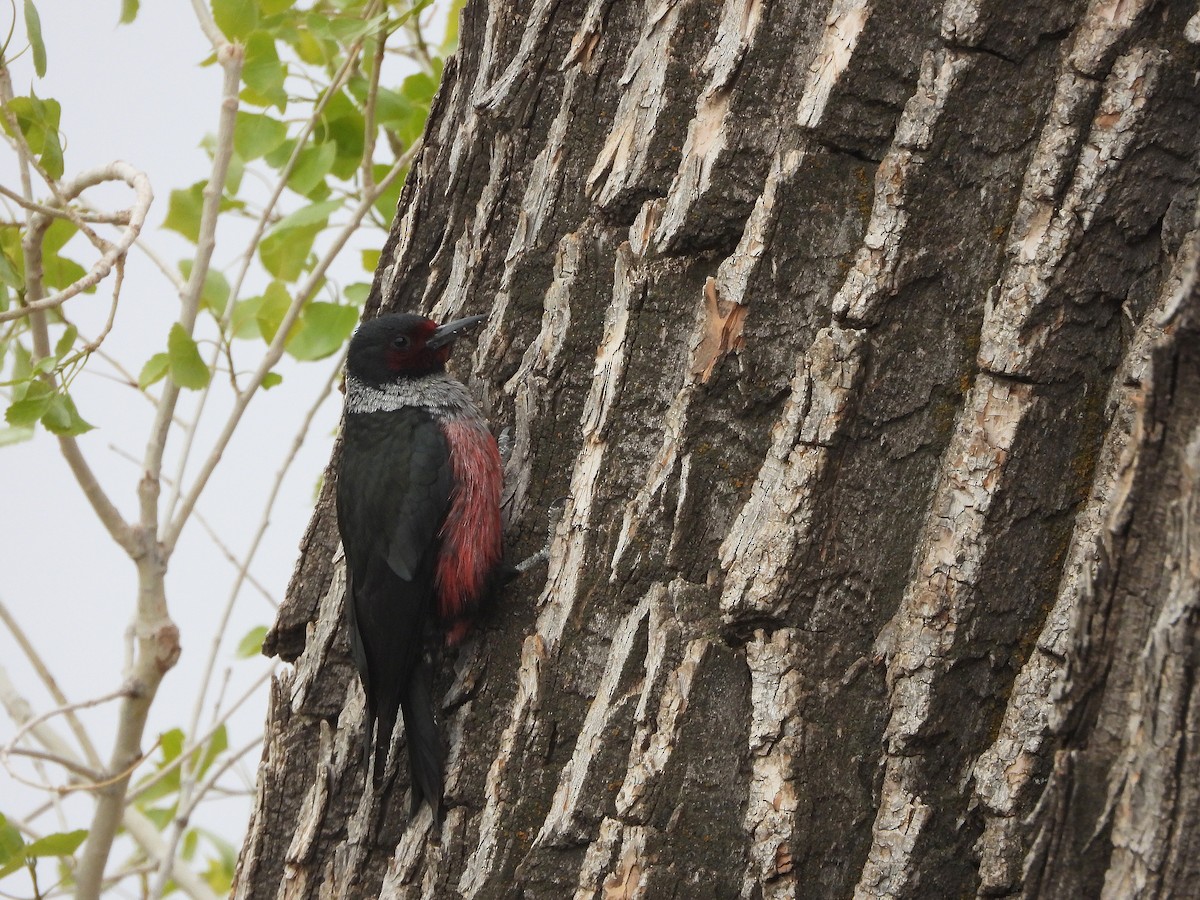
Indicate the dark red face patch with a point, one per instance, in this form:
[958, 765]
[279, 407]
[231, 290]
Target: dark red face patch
[416, 356]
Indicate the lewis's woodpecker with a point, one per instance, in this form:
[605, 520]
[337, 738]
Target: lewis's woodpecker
[418, 505]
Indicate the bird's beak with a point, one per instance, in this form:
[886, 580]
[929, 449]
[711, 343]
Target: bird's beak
[451, 330]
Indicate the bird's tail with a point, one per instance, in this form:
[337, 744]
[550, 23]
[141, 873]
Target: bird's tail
[424, 742]
[385, 724]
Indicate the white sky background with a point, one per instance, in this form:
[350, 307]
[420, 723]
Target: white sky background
[137, 93]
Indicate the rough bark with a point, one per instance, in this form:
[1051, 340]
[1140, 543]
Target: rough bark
[863, 341]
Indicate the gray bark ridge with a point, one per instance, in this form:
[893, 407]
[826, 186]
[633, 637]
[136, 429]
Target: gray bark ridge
[863, 341]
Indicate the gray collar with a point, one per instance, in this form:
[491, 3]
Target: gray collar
[438, 393]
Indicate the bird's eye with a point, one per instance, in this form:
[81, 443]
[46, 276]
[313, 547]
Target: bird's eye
[400, 343]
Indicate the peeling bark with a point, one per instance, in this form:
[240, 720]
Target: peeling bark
[862, 340]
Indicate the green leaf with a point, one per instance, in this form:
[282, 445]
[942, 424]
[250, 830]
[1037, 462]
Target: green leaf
[64, 843]
[215, 293]
[357, 293]
[158, 815]
[63, 418]
[15, 435]
[274, 306]
[419, 88]
[129, 11]
[278, 157]
[388, 200]
[52, 155]
[217, 745]
[191, 838]
[154, 370]
[351, 28]
[244, 323]
[322, 330]
[416, 8]
[450, 41]
[274, 7]
[31, 407]
[219, 873]
[184, 210]
[58, 271]
[398, 114]
[172, 745]
[65, 342]
[9, 273]
[38, 120]
[343, 125]
[262, 72]
[35, 117]
[270, 380]
[33, 27]
[284, 252]
[311, 49]
[370, 260]
[312, 165]
[313, 214]
[256, 135]
[12, 845]
[187, 368]
[237, 18]
[22, 363]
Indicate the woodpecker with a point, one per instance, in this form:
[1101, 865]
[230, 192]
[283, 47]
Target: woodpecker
[418, 506]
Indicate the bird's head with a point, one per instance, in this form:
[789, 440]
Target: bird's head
[403, 345]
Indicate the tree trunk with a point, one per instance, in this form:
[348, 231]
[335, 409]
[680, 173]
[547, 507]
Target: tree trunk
[863, 341]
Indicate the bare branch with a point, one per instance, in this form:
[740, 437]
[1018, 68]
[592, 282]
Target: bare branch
[121, 217]
[368, 176]
[209, 26]
[231, 57]
[69, 764]
[43, 672]
[114, 171]
[61, 710]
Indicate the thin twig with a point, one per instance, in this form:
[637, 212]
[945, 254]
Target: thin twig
[61, 710]
[184, 812]
[69, 764]
[201, 741]
[121, 217]
[43, 672]
[115, 171]
[275, 350]
[368, 175]
[212, 533]
[209, 26]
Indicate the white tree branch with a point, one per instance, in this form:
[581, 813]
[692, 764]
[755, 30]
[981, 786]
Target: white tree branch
[144, 196]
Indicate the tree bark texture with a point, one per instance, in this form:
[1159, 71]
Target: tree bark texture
[862, 339]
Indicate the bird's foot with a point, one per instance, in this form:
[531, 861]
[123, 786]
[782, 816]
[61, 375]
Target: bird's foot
[554, 515]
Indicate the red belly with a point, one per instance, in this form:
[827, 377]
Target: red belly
[471, 535]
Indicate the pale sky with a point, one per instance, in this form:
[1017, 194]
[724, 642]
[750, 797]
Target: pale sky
[137, 93]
